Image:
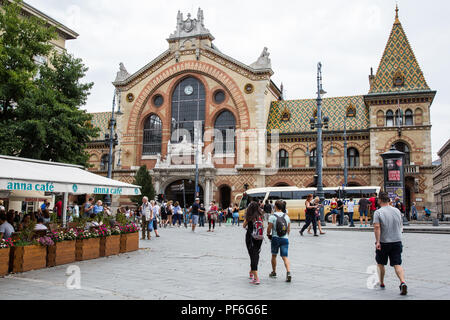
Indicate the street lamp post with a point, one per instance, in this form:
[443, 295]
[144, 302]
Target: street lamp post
[319, 124]
[112, 139]
[345, 155]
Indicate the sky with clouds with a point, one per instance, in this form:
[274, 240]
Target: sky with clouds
[347, 36]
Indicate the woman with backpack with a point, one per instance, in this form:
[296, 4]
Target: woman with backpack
[254, 238]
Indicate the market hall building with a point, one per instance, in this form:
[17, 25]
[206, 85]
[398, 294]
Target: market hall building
[194, 82]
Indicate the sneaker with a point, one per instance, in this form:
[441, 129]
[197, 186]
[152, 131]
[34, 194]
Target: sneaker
[316, 235]
[382, 286]
[403, 289]
[273, 275]
[288, 277]
[255, 282]
[301, 233]
[251, 276]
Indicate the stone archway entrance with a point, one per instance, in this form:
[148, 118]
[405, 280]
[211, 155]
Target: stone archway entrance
[175, 192]
[225, 196]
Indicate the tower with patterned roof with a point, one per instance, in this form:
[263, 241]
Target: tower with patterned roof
[399, 103]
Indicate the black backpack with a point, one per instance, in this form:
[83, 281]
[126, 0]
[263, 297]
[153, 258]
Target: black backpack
[163, 209]
[282, 226]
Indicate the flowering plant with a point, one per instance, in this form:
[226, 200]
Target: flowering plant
[82, 235]
[5, 244]
[115, 231]
[102, 231]
[129, 228]
[46, 241]
[56, 236]
[70, 235]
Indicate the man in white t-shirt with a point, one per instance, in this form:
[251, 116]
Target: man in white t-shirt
[351, 211]
[40, 225]
[6, 229]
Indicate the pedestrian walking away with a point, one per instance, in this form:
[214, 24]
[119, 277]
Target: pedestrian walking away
[278, 232]
[364, 210]
[388, 225]
[254, 238]
[319, 223]
[177, 214]
[311, 208]
[236, 215]
[194, 210]
[153, 223]
[333, 207]
[340, 209]
[201, 216]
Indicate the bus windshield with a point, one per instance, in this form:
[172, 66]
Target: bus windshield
[248, 198]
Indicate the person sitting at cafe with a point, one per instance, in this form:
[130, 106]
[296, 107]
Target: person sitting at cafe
[92, 223]
[26, 220]
[427, 212]
[40, 225]
[6, 229]
[98, 208]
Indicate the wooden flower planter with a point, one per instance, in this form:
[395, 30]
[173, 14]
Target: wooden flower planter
[87, 249]
[129, 242]
[61, 253]
[28, 258]
[4, 261]
[109, 246]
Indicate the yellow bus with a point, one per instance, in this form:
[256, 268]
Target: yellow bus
[295, 198]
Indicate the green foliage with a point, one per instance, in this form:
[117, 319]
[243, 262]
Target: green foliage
[26, 235]
[144, 179]
[121, 219]
[40, 115]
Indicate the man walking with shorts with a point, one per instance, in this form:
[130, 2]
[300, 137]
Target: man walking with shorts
[388, 224]
[278, 232]
[194, 213]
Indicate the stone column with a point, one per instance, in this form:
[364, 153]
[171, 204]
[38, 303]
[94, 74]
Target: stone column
[208, 195]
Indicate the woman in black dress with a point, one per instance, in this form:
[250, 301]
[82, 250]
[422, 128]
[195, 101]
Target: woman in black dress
[253, 214]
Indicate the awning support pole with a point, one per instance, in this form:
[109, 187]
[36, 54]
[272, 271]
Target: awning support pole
[64, 208]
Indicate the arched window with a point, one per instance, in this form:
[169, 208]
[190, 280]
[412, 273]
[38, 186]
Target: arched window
[283, 159]
[104, 162]
[225, 132]
[398, 118]
[389, 118]
[313, 158]
[152, 135]
[353, 158]
[409, 118]
[188, 106]
[403, 147]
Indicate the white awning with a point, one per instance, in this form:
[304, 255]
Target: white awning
[18, 174]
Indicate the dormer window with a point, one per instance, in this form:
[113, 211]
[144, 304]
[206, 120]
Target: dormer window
[285, 115]
[351, 111]
[399, 80]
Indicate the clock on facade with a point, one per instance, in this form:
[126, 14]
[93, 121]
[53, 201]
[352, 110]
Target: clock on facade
[188, 90]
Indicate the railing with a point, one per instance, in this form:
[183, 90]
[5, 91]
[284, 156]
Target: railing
[412, 169]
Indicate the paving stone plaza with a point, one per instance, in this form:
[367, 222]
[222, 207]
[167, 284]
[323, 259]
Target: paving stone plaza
[185, 266]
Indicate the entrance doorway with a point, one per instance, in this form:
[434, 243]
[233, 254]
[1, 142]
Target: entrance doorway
[225, 197]
[174, 192]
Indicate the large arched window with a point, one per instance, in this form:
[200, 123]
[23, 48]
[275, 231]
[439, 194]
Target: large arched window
[283, 159]
[188, 106]
[224, 135]
[409, 118]
[389, 118]
[152, 135]
[403, 147]
[353, 158]
[313, 158]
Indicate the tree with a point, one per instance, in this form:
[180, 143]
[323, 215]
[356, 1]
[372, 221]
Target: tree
[40, 115]
[144, 179]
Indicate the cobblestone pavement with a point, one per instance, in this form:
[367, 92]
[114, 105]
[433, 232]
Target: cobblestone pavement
[182, 265]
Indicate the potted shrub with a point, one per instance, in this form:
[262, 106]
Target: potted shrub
[109, 241]
[63, 252]
[5, 248]
[87, 246]
[129, 238]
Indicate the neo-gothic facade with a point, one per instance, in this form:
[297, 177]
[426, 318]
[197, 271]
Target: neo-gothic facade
[194, 82]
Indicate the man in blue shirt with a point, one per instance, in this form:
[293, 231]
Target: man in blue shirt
[195, 213]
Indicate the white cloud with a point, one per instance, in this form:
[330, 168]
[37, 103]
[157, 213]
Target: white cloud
[347, 36]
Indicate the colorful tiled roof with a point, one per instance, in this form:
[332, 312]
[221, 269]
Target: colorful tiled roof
[398, 61]
[301, 111]
[101, 121]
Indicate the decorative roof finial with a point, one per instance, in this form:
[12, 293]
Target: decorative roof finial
[396, 14]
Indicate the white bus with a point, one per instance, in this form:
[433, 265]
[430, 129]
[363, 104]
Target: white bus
[295, 198]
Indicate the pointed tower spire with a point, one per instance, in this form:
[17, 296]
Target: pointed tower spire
[399, 70]
[397, 21]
